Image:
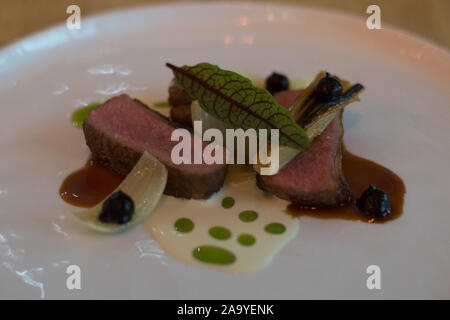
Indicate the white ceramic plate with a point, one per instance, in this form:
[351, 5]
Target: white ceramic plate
[402, 123]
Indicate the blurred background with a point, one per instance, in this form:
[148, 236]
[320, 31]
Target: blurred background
[427, 18]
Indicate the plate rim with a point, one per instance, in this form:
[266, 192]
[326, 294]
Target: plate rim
[387, 27]
[110, 14]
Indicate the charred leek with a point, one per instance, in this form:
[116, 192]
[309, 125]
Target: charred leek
[321, 101]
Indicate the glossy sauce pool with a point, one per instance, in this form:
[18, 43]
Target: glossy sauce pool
[360, 173]
[93, 183]
[89, 185]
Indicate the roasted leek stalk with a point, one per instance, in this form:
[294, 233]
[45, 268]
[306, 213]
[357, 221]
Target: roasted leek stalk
[320, 102]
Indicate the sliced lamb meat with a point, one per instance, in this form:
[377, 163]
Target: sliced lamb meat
[180, 103]
[182, 115]
[314, 177]
[121, 129]
[287, 98]
[178, 97]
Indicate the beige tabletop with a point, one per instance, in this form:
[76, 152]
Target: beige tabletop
[427, 18]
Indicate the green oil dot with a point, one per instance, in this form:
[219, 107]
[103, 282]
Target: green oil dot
[227, 202]
[184, 225]
[220, 233]
[211, 254]
[81, 113]
[248, 215]
[275, 228]
[161, 104]
[246, 239]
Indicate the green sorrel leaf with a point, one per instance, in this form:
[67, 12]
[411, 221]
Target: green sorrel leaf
[233, 99]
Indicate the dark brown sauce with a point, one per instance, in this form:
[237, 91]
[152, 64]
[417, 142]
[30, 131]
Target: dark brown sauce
[89, 185]
[360, 173]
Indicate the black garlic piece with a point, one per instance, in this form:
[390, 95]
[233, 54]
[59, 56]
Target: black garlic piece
[277, 82]
[374, 203]
[328, 87]
[118, 208]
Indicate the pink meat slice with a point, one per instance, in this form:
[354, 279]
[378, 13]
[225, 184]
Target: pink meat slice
[314, 177]
[121, 129]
